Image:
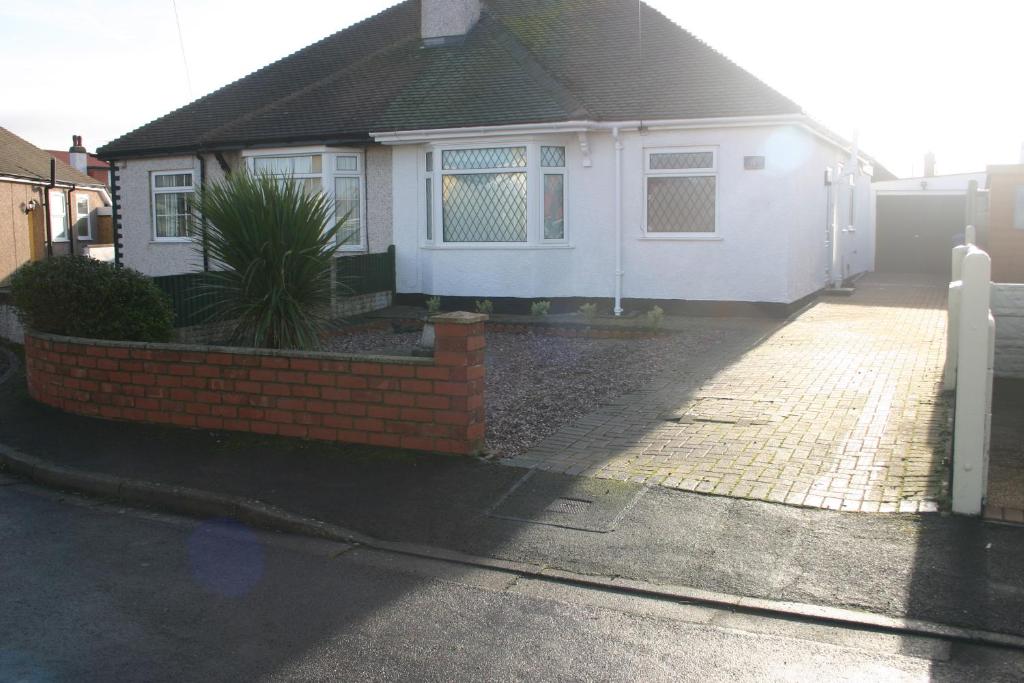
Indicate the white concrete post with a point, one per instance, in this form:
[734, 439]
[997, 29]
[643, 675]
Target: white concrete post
[953, 317]
[952, 335]
[973, 397]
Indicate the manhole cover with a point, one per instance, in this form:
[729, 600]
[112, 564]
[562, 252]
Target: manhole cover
[582, 503]
[570, 506]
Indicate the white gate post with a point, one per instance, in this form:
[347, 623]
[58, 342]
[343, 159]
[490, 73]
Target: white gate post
[973, 385]
[953, 317]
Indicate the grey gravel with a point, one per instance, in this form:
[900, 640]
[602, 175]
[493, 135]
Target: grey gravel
[537, 384]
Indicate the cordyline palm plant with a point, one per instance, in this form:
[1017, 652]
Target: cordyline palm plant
[271, 246]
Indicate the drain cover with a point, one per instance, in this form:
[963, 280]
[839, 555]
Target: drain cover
[570, 506]
[560, 500]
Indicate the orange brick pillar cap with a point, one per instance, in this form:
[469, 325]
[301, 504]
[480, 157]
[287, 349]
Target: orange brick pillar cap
[459, 318]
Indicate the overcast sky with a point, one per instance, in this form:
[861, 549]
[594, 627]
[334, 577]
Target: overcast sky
[909, 75]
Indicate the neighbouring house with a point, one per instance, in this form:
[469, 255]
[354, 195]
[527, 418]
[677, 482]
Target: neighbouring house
[1004, 238]
[78, 157]
[47, 207]
[919, 220]
[523, 149]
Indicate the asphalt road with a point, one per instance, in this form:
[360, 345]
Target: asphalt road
[92, 591]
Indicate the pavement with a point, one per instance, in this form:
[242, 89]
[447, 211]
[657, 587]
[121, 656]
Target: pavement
[929, 567]
[839, 408]
[95, 591]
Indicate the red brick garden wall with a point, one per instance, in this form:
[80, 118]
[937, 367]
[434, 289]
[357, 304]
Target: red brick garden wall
[430, 404]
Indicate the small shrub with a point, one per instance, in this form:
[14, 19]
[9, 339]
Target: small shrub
[77, 296]
[539, 309]
[486, 306]
[589, 311]
[434, 305]
[655, 316]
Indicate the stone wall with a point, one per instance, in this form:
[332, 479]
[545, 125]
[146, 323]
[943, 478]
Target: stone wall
[1008, 310]
[429, 404]
[358, 304]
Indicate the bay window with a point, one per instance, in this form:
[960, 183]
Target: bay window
[501, 194]
[681, 192]
[339, 175]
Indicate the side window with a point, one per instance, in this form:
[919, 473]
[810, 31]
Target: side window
[681, 191]
[172, 200]
[83, 217]
[59, 223]
[552, 161]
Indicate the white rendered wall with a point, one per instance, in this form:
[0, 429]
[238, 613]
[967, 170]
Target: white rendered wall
[139, 249]
[770, 222]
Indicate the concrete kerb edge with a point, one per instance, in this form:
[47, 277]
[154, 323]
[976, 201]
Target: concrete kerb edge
[195, 502]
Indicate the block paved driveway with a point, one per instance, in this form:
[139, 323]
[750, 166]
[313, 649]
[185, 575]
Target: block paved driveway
[838, 408]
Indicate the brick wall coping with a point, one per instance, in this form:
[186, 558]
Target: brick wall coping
[459, 318]
[237, 350]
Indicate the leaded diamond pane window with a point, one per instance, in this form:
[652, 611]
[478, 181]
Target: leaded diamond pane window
[484, 207]
[552, 157]
[430, 209]
[681, 204]
[554, 207]
[672, 161]
[483, 158]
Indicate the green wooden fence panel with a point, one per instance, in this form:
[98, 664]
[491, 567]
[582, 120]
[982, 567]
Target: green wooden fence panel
[360, 274]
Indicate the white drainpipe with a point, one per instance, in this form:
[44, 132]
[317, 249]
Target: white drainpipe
[618, 221]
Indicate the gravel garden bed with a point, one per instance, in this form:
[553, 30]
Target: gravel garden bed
[537, 384]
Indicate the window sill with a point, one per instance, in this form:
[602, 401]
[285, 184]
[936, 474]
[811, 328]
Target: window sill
[680, 237]
[172, 240]
[477, 246]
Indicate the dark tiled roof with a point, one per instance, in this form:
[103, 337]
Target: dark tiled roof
[21, 159]
[527, 61]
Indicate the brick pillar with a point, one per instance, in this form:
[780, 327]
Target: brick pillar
[459, 347]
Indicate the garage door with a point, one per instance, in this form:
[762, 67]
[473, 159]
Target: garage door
[914, 233]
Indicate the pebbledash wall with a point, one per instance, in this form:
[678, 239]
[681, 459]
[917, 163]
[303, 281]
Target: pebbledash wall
[430, 404]
[169, 257]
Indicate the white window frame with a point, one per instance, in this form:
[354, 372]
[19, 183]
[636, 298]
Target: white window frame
[65, 218]
[328, 172]
[534, 192]
[712, 171]
[88, 216]
[154, 191]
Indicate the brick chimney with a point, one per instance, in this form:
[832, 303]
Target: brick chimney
[929, 165]
[447, 21]
[77, 156]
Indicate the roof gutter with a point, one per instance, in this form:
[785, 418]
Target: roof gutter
[40, 182]
[583, 126]
[579, 126]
